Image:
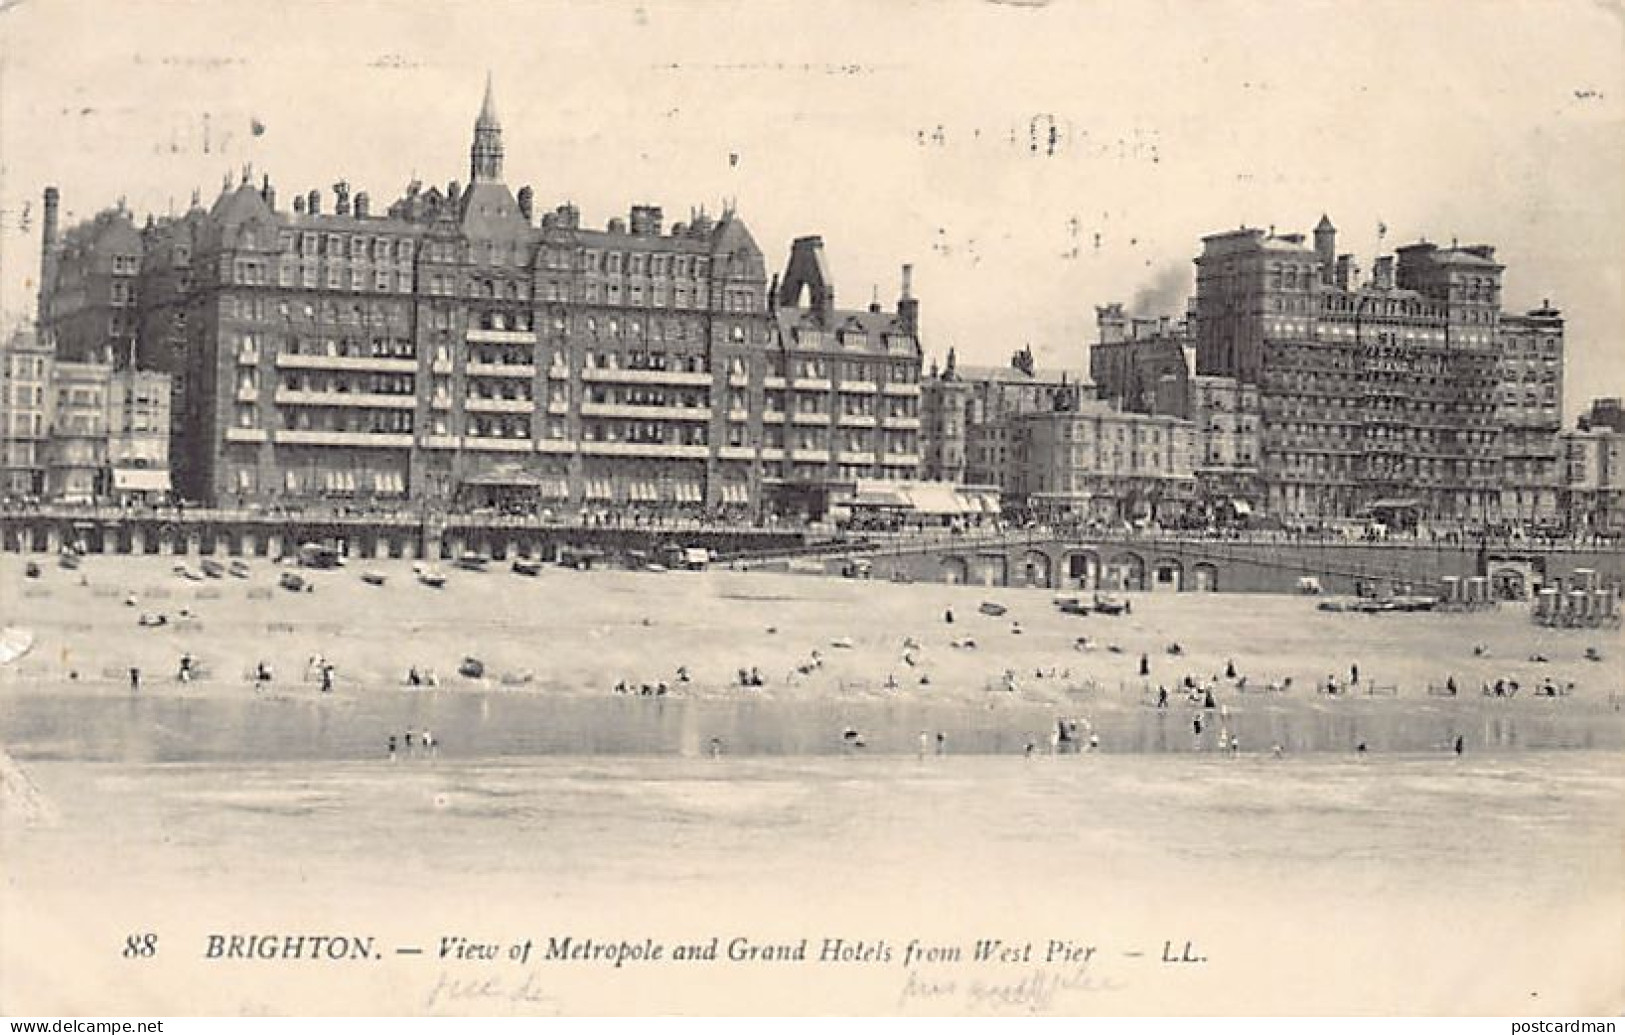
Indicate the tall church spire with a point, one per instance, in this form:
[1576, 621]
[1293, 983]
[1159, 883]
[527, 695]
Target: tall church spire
[485, 157]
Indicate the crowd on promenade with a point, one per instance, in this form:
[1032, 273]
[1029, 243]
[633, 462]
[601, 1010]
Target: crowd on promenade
[919, 529]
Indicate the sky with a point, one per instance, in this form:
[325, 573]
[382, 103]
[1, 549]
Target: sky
[1031, 159]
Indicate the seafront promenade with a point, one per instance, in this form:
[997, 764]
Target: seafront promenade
[991, 555]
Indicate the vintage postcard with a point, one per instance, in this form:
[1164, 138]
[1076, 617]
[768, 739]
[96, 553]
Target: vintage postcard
[1011, 508]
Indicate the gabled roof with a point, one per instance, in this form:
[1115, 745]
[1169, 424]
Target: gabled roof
[490, 211]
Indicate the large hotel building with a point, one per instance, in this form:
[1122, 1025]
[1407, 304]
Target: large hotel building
[1398, 394]
[454, 347]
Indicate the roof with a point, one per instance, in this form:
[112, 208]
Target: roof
[1011, 375]
[791, 319]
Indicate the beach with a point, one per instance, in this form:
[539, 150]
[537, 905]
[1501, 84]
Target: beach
[831, 654]
[1188, 877]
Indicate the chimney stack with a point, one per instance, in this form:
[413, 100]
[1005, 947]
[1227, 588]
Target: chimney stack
[527, 202]
[362, 204]
[313, 202]
[48, 250]
[341, 198]
[268, 192]
[908, 307]
[1382, 273]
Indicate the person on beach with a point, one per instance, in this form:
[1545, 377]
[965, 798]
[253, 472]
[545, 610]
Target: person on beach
[410, 733]
[925, 743]
[1229, 669]
[327, 678]
[1196, 727]
[135, 678]
[392, 747]
[942, 743]
[1094, 742]
[1460, 745]
[428, 741]
[1162, 697]
[1354, 674]
[1235, 746]
[948, 616]
[716, 747]
[1359, 749]
[185, 674]
[1450, 684]
[1145, 665]
[1207, 698]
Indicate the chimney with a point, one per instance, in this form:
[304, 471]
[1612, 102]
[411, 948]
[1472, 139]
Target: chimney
[1345, 271]
[341, 198]
[362, 204]
[527, 203]
[646, 221]
[1382, 273]
[313, 202]
[908, 307]
[48, 251]
[298, 204]
[268, 192]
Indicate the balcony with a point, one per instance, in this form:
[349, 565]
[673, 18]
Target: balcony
[500, 337]
[818, 419]
[901, 388]
[647, 377]
[558, 373]
[736, 453]
[856, 420]
[475, 404]
[250, 358]
[441, 366]
[656, 450]
[443, 442]
[556, 445]
[558, 407]
[486, 444]
[772, 416]
[775, 382]
[738, 380]
[902, 423]
[248, 395]
[689, 413]
[344, 438]
[375, 364]
[772, 453]
[739, 416]
[365, 400]
[860, 387]
[812, 384]
[246, 435]
[866, 459]
[524, 370]
[820, 456]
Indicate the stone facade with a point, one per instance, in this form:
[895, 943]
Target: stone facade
[455, 349]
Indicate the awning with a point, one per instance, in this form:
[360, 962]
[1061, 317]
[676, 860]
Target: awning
[505, 474]
[878, 494]
[140, 479]
[1241, 507]
[1396, 505]
[935, 498]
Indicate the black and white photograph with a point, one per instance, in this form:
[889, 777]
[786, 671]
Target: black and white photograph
[908, 508]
